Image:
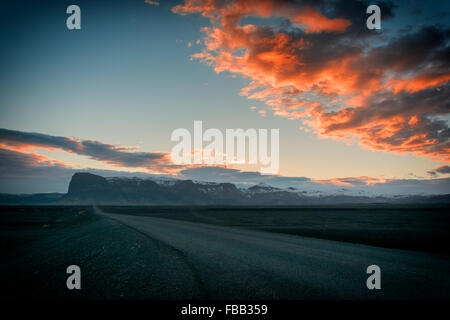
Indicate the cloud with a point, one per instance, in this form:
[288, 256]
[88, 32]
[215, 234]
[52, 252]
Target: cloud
[322, 67]
[153, 3]
[309, 18]
[32, 173]
[13, 162]
[354, 181]
[221, 174]
[116, 156]
[439, 170]
[443, 169]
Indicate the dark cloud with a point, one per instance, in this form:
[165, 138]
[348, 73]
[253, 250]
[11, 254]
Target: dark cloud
[111, 154]
[443, 169]
[428, 46]
[439, 170]
[31, 173]
[20, 138]
[220, 174]
[119, 156]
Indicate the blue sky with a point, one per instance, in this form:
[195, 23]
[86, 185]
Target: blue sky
[127, 79]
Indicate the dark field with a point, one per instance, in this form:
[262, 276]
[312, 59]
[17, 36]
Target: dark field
[38, 244]
[118, 262]
[424, 229]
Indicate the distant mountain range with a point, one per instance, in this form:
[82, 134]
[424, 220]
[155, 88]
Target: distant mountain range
[88, 189]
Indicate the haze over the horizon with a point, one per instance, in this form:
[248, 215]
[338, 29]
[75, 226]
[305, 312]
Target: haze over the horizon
[356, 108]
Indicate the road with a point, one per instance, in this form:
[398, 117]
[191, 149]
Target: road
[233, 263]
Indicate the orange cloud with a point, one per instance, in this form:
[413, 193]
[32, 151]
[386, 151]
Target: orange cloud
[229, 14]
[316, 22]
[322, 71]
[153, 3]
[419, 83]
[352, 181]
[35, 158]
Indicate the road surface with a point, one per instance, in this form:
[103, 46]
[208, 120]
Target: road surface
[233, 263]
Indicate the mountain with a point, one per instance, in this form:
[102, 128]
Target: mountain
[87, 189]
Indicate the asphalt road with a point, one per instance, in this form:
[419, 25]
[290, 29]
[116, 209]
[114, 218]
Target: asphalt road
[231, 263]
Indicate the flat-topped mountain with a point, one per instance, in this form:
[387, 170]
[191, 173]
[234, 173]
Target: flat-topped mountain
[87, 188]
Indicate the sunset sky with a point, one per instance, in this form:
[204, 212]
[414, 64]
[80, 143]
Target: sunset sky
[353, 106]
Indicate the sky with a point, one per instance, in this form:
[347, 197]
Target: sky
[354, 107]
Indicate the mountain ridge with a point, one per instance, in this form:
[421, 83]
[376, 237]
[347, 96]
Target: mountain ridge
[90, 189]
